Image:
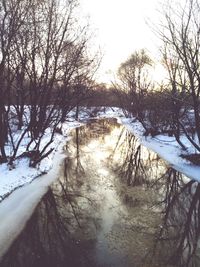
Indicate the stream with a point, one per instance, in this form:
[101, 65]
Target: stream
[115, 204]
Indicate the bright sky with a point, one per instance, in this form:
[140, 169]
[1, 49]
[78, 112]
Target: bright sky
[121, 28]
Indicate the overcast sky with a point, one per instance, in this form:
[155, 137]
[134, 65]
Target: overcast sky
[121, 28]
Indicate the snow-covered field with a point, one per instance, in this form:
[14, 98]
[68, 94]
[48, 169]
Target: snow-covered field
[165, 146]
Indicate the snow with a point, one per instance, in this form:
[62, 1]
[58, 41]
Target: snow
[19, 206]
[167, 148]
[13, 177]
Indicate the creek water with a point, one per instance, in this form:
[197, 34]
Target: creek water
[116, 204]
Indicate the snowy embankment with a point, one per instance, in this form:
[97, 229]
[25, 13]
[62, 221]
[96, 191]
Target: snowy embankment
[166, 147]
[21, 173]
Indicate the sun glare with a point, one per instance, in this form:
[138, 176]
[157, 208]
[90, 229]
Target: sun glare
[121, 28]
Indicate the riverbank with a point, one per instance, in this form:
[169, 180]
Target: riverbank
[166, 147]
[20, 173]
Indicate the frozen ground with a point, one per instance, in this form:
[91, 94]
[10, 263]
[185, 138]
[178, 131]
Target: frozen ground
[165, 146]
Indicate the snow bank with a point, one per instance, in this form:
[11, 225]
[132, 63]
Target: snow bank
[166, 147]
[21, 174]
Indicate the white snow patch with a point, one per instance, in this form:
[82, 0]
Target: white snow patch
[166, 147]
[19, 206]
[20, 174]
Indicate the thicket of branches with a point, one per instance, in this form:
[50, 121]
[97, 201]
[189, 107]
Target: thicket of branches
[45, 71]
[172, 108]
[180, 36]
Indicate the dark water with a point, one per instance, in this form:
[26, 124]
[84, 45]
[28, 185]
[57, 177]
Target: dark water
[115, 204]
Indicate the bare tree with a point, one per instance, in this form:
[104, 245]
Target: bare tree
[43, 50]
[11, 17]
[181, 37]
[134, 82]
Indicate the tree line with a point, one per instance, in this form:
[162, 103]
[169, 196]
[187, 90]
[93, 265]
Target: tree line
[45, 71]
[172, 107]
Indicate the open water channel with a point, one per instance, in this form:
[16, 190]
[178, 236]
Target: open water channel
[114, 204]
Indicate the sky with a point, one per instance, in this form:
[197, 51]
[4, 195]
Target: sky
[121, 27]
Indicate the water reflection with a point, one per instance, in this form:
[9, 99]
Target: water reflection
[46, 240]
[180, 228]
[114, 204]
[179, 202]
[136, 164]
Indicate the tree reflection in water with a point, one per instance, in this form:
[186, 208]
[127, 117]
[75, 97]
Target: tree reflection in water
[177, 237]
[137, 164]
[180, 229]
[52, 236]
[64, 229]
[46, 240]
